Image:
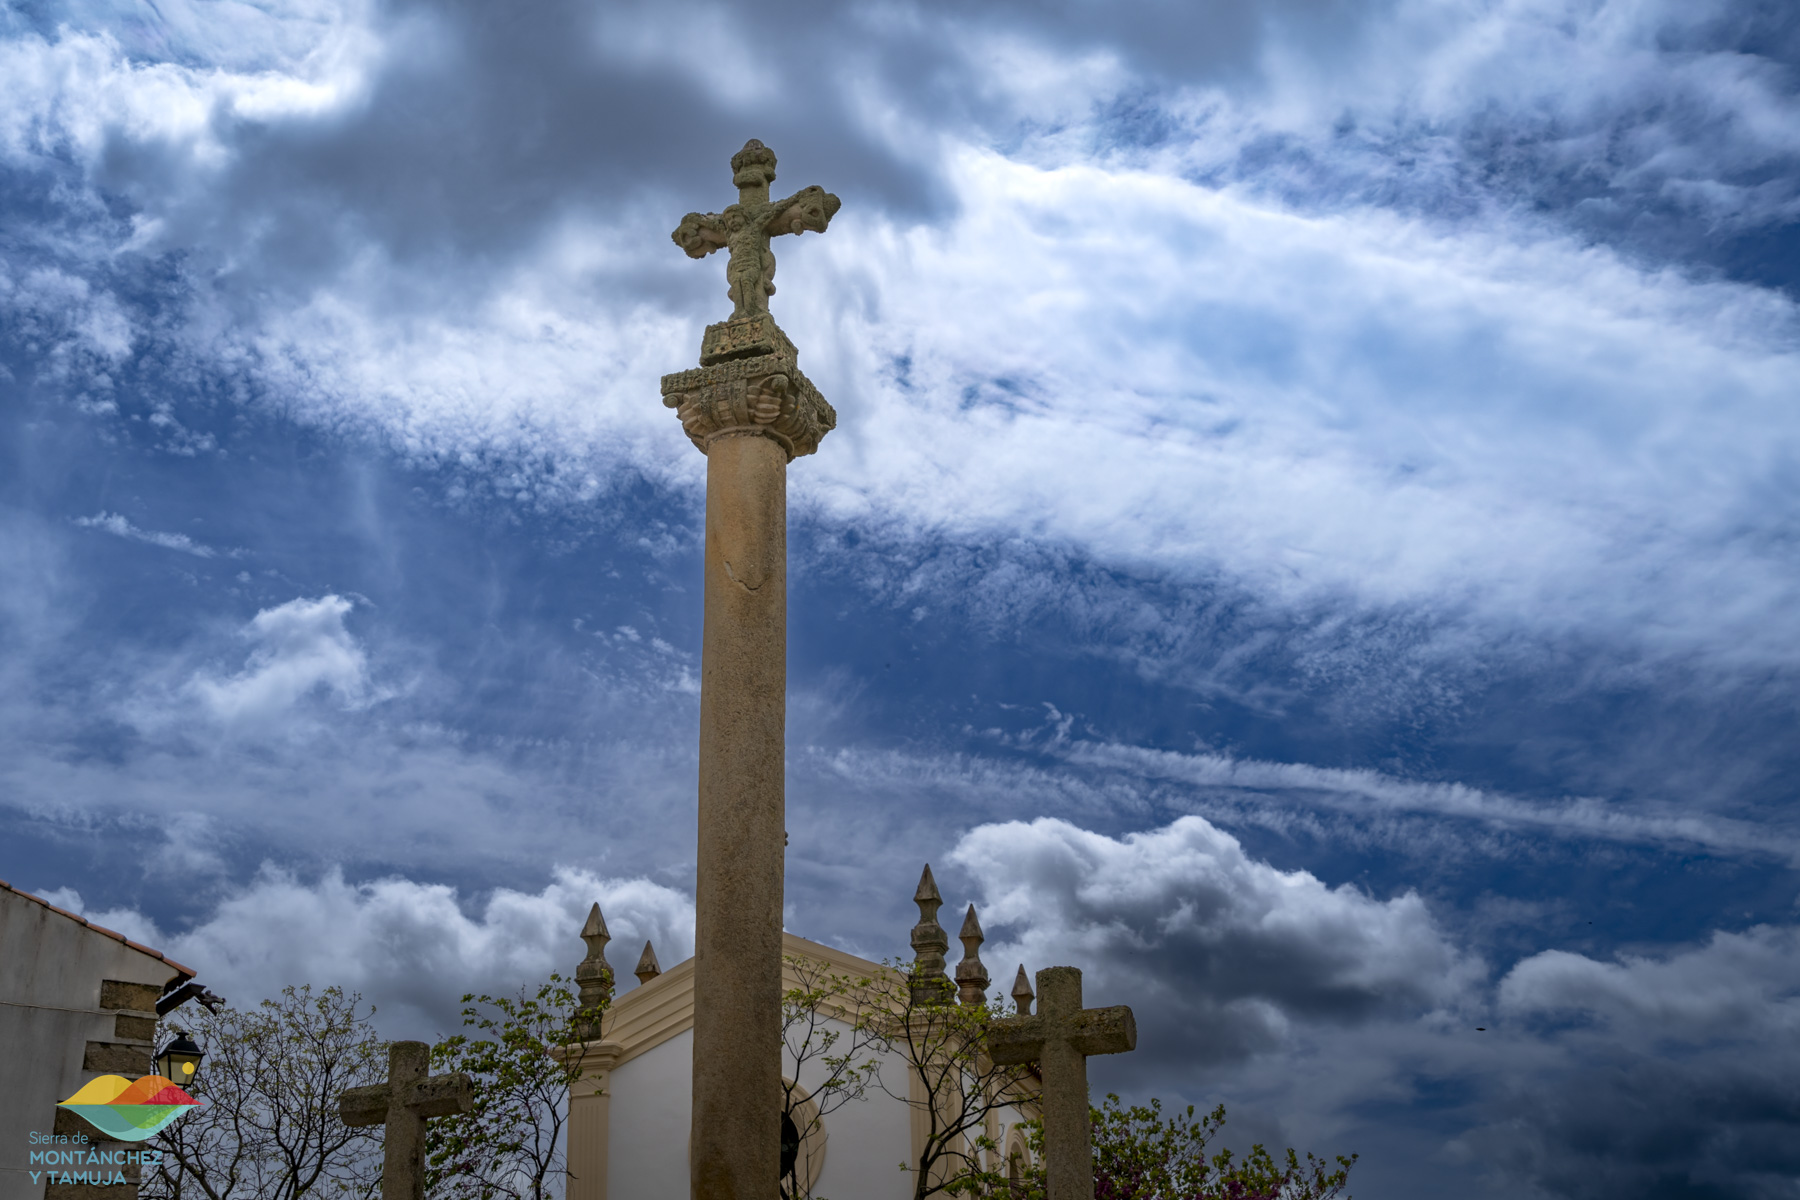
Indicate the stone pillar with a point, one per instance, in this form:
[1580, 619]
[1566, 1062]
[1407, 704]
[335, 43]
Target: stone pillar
[403, 1145]
[590, 1116]
[737, 898]
[1068, 1131]
[749, 410]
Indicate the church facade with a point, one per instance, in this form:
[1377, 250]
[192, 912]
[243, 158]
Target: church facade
[630, 1115]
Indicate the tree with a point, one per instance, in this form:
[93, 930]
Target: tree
[509, 1146]
[1140, 1155]
[269, 1126]
[818, 1014]
[959, 1090]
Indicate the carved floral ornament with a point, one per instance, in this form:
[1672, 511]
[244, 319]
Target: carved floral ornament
[756, 393]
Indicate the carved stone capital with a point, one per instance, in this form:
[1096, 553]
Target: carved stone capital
[749, 381]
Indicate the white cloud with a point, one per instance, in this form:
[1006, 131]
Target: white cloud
[301, 647]
[1326, 412]
[118, 526]
[411, 948]
[1368, 793]
[1328, 406]
[79, 322]
[1735, 986]
[1225, 952]
[82, 90]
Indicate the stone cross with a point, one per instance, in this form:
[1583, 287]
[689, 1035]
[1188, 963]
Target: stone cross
[403, 1103]
[748, 408]
[1060, 1038]
[744, 228]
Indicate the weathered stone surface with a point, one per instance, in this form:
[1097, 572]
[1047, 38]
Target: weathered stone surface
[927, 981]
[594, 975]
[738, 884]
[134, 1027]
[402, 1103]
[745, 337]
[138, 997]
[1021, 993]
[744, 228]
[117, 1058]
[761, 393]
[1060, 1039]
[971, 972]
[750, 411]
[647, 968]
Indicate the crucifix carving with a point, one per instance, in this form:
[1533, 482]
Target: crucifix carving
[744, 228]
[403, 1103]
[1060, 1038]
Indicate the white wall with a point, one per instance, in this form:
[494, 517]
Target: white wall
[650, 1111]
[50, 972]
[868, 1139]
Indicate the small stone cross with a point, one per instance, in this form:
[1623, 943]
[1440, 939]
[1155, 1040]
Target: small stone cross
[408, 1097]
[1060, 1038]
[744, 228]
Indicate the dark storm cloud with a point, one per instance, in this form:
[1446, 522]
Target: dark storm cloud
[1674, 1074]
[1224, 950]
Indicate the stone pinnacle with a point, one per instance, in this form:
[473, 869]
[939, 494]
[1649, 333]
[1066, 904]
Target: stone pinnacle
[1021, 993]
[929, 983]
[971, 975]
[648, 968]
[593, 976]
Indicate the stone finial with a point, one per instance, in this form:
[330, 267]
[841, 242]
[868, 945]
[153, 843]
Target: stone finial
[971, 975]
[648, 968]
[756, 157]
[593, 976]
[1021, 993]
[929, 983]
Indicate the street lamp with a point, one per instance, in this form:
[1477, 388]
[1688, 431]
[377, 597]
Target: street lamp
[180, 1061]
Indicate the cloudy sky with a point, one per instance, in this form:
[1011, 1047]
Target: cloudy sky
[1310, 538]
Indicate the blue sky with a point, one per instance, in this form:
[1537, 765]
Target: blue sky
[1310, 536]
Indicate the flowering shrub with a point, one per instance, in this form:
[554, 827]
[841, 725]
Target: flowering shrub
[1141, 1155]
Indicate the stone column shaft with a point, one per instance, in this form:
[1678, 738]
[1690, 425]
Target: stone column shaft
[401, 1178]
[1067, 1122]
[737, 927]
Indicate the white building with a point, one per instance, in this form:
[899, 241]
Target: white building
[630, 1118]
[76, 1001]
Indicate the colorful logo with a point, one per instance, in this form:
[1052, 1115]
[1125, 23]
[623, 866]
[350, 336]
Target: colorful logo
[130, 1112]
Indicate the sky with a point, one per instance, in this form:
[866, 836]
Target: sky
[1310, 537]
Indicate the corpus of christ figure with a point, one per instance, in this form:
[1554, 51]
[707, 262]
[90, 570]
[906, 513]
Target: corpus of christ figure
[744, 228]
